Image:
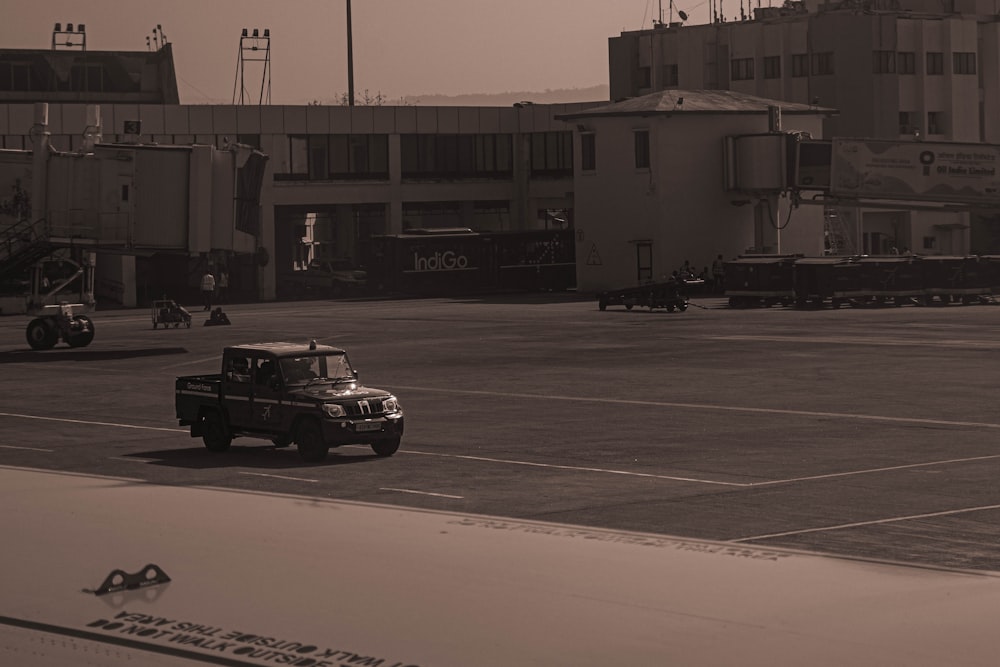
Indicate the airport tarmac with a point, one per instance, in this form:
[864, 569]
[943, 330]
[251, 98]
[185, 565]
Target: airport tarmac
[865, 435]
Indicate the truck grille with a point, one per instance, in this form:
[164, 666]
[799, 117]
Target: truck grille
[363, 408]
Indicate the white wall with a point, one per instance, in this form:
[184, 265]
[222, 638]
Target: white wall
[680, 204]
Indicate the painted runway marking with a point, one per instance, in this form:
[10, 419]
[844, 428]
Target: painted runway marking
[30, 449]
[129, 460]
[422, 493]
[294, 479]
[708, 406]
[607, 471]
[93, 423]
[874, 522]
[873, 470]
[862, 340]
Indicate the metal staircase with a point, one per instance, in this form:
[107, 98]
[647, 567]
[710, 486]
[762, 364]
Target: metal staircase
[22, 245]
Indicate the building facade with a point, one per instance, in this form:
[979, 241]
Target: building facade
[904, 70]
[652, 195]
[336, 176]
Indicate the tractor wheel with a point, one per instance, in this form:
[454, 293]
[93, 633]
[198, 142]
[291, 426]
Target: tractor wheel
[82, 331]
[309, 437]
[214, 433]
[41, 334]
[386, 447]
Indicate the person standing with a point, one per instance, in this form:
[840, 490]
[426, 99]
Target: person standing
[223, 285]
[208, 289]
[719, 275]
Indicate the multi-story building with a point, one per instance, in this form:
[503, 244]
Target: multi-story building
[895, 69]
[336, 175]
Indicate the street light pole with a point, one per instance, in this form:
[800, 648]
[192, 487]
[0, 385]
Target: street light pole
[350, 58]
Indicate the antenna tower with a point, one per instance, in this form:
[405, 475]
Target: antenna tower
[254, 48]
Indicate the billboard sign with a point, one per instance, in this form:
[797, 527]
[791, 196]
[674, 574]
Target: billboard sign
[916, 170]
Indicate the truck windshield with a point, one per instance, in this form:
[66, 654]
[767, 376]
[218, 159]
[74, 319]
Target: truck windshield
[299, 370]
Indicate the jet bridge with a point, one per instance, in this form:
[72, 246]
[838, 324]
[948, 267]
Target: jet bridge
[124, 199]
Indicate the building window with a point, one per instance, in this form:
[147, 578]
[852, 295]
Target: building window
[906, 62]
[298, 152]
[963, 63]
[821, 63]
[551, 153]
[670, 75]
[935, 122]
[455, 155]
[772, 67]
[883, 62]
[908, 123]
[800, 64]
[741, 69]
[644, 79]
[641, 149]
[588, 151]
[935, 62]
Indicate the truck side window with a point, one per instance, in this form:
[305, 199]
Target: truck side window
[238, 370]
[265, 372]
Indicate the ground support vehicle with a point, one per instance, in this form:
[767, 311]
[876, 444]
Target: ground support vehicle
[458, 261]
[670, 295]
[333, 278]
[760, 280]
[955, 279]
[167, 312]
[308, 394]
[63, 322]
[890, 280]
[821, 280]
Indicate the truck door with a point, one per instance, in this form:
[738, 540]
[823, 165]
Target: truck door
[268, 408]
[237, 389]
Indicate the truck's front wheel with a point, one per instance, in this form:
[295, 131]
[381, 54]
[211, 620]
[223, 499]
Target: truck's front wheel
[214, 433]
[385, 447]
[309, 438]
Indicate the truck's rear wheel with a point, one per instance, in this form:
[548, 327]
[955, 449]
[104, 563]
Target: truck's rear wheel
[386, 447]
[214, 433]
[309, 438]
[41, 334]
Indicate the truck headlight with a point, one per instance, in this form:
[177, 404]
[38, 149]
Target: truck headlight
[390, 404]
[333, 410]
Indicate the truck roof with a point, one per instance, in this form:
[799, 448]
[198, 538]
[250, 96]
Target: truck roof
[283, 349]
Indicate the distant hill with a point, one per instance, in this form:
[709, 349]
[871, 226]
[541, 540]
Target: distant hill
[597, 93]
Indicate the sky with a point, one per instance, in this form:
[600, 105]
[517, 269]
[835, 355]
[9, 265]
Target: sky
[402, 48]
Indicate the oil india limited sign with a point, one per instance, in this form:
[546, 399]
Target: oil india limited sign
[915, 170]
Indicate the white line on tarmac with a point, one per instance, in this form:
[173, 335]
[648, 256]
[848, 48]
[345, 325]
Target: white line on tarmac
[93, 423]
[607, 471]
[708, 406]
[872, 470]
[30, 449]
[860, 524]
[129, 460]
[422, 493]
[264, 474]
[863, 340]
[554, 466]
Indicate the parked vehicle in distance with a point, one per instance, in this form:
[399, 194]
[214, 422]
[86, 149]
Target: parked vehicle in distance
[308, 394]
[327, 278]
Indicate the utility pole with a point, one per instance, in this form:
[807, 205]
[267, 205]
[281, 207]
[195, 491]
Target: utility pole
[350, 58]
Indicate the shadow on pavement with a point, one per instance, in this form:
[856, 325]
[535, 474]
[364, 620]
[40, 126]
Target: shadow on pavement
[253, 456]
[70, 354]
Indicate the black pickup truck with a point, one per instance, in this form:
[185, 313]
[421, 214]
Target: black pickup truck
[288, 392]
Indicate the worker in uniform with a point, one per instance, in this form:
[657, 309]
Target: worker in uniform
[208, 289]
